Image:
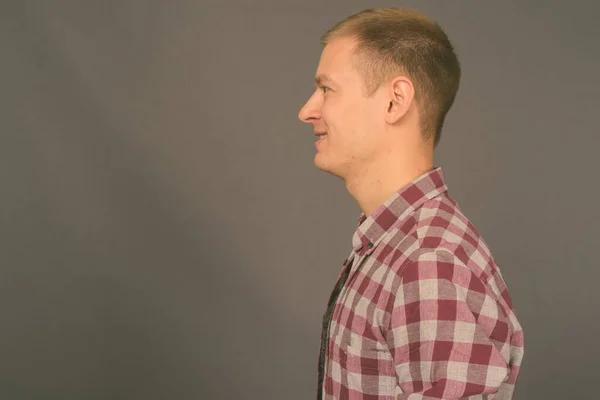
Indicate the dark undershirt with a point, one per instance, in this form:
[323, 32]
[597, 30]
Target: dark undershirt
[327, 323]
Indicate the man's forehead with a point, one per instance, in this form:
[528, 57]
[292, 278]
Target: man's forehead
[335, 65]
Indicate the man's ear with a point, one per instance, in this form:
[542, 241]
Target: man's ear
[401, 93]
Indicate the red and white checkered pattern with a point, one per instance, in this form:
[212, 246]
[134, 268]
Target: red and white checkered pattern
[424, 313]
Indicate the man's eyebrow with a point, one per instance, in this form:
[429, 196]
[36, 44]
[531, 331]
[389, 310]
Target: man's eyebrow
[320, 79]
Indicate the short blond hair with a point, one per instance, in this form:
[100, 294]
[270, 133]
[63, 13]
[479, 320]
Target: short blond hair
[401, 41]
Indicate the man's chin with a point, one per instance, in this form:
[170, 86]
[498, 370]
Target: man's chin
[327, 168]
[320, 164]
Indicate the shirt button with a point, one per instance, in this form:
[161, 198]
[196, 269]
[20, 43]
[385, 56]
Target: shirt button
[370, 245]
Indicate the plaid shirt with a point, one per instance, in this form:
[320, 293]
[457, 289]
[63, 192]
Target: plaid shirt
[424, 312]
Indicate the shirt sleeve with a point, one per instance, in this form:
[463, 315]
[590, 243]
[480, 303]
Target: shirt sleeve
[441, 328]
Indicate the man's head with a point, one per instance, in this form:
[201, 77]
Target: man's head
[386, 77]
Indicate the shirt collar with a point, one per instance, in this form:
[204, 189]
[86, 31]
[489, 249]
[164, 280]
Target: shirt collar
[397, 209]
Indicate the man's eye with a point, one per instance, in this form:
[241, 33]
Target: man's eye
[323, 88]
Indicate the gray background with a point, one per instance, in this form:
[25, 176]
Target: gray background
[164, 233]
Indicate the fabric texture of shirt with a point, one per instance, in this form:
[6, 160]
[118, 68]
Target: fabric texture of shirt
[421, 309]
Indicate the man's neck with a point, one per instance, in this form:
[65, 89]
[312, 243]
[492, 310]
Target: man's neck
[376, 183]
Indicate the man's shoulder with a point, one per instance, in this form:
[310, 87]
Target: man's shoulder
[440, 227]
[443, 214]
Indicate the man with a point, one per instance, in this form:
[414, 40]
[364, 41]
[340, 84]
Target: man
[420, 310]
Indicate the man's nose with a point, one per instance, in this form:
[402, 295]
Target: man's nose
[311, 110]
